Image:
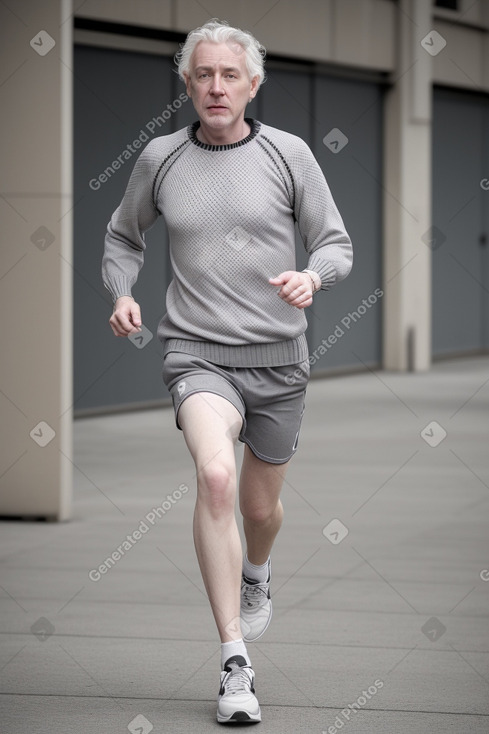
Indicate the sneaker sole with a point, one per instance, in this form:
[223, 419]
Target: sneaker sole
[246, 638]
[239, 717]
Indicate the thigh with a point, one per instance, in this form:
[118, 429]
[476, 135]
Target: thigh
[208, 407]
[210, 425]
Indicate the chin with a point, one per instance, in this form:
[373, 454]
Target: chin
[217, 119]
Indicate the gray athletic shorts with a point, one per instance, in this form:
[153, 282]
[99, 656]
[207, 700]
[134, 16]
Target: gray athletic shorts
[270, 407]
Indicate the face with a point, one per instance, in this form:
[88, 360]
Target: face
[219, 85]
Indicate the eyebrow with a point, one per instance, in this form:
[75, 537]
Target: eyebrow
[203, 67]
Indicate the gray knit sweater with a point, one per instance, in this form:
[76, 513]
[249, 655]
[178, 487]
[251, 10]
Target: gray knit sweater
[230, 212]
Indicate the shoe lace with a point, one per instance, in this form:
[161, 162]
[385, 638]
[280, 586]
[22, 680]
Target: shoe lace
[253, 594]
[237, 680]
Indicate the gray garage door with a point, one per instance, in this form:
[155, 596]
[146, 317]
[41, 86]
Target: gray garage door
[117, 95]
[461, 216]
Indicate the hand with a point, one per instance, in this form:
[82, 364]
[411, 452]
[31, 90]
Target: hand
[126, 318]
[297, 288]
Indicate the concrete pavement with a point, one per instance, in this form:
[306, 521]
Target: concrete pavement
[380, 584]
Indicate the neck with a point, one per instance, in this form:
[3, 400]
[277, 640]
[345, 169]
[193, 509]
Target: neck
[223, 137]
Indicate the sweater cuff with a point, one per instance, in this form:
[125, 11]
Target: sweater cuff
[325, 270]
[118, 286]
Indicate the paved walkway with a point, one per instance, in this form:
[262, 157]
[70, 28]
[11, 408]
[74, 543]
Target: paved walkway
[380, 580]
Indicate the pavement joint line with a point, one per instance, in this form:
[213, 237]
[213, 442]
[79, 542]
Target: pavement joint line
[265, 705]
[342, 646]
[326, 585]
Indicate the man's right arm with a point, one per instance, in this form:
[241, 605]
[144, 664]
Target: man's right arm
[124, 242]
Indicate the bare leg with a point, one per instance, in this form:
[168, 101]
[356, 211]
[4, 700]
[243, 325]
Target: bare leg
[259, 490]
[210, 424]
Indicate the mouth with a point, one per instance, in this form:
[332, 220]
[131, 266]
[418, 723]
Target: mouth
[216, 107]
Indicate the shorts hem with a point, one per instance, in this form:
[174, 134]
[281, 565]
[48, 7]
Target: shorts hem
[263, 457]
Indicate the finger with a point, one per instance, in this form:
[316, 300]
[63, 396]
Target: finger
[297, 293]
[305, 304]
[123, 321]
[136, 315]
[115, 328]
[302, 300]
[282, 278]
[121, 324]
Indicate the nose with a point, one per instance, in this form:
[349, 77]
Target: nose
[216, 86]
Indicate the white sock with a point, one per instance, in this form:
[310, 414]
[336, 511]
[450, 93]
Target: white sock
[259, 574]
[233, 649]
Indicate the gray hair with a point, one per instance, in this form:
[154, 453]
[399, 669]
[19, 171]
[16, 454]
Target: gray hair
[217, 31]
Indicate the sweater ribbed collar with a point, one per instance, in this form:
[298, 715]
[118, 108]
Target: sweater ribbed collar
[254, 130]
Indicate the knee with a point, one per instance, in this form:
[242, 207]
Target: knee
[217, 488]
[261, 514]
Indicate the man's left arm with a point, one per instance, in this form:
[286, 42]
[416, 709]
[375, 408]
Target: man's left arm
[323, 233]
[320, 224]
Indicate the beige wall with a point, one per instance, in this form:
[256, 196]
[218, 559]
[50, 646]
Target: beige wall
[407, 197]
[36, 274]
[464, 62]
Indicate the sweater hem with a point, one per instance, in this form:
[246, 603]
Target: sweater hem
[270, 354]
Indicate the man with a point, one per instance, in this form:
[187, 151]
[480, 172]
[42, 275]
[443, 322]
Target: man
[231, 189]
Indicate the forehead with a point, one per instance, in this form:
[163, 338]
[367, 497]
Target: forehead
[218, 55]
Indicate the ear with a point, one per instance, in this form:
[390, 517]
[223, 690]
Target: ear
[187, 83]
[253, 88]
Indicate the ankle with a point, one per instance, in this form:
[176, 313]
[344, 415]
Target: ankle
[259, 573]
[232, 649]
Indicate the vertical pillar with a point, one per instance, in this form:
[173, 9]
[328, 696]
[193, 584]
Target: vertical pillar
[407, 193]
[35, 261]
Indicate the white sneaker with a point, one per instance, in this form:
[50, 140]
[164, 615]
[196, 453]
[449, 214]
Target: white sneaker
[237, 702]
[256, 607]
